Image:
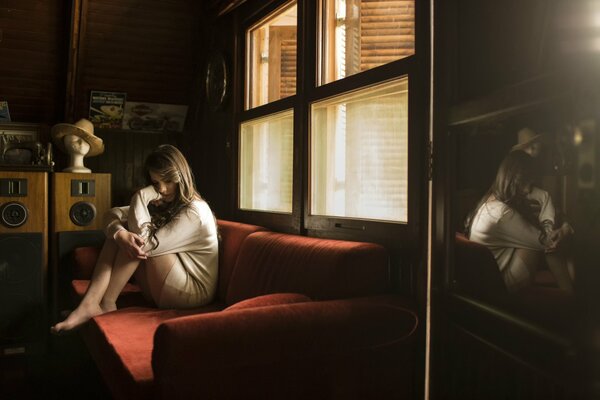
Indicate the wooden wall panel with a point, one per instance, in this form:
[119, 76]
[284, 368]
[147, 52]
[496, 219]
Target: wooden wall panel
[144, 48]
[33, 46]
[147, 49]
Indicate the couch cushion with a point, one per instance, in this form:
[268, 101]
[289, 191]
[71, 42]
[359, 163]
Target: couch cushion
[131, 295]
[319, 268]
[476, 271]
[232, 236]
[360, 348]
[270, 300]
[121, 344]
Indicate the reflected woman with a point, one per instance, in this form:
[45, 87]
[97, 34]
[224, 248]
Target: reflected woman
[509, 222]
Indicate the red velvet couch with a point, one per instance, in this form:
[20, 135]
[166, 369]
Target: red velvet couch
[477, 274]
[294, 318]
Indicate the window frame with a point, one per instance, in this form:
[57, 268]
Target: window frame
[393, 234]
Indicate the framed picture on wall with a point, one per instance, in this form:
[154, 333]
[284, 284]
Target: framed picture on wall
[4, 113]
[20, 145]
[154, 117]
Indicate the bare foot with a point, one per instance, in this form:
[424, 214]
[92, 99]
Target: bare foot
[108, 306]
[81, 315]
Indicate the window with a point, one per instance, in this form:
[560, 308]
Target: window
[271, 67]
[325, 127]
[359, 154]
[357, 35]
[266, 158]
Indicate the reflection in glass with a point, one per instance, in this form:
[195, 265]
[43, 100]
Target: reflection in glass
[517, 221]
[357, 35]
[359, 154]
[526, 188]
[266, 160]
[271, 57]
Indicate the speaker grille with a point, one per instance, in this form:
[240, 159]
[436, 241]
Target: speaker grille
[21, 291]
[17, 255]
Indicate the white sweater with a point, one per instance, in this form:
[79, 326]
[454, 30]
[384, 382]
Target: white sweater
[191, 235]
[503, 230]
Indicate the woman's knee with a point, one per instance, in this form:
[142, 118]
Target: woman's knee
[530, 258]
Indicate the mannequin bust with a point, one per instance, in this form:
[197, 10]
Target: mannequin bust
[77, 148]
[78, 141]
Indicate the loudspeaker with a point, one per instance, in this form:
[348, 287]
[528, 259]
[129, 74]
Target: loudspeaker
[23, 261]
[79, 201]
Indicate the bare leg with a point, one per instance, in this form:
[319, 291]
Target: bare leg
[123, 269]
[111, 273]
[531, 259]
[155, 273]
[561, 269]
[142, 281]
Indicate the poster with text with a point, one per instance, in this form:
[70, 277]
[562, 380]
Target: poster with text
[106, 109]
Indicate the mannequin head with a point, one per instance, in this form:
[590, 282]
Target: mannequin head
[529, 141]
[76, 145]
[77, 148]
[78, 141]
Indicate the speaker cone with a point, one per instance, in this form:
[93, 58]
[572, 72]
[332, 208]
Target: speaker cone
[13, 214]
[82, 213]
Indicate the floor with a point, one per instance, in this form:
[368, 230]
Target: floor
[64, 371]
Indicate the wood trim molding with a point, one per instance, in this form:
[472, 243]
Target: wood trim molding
[77, 35]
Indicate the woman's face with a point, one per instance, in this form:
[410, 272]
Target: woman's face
[525, 188]
[167, 190]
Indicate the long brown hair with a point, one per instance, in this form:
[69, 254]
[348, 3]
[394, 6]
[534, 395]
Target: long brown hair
[170, 165]
[514, 173]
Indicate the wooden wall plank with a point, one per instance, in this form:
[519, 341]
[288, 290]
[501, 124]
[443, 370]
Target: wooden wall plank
[144, 48]
[33, 53]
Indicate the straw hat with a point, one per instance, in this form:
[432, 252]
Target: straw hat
[82, 128]
[526, 137]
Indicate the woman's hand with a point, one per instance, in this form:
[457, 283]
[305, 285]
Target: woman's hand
[557, 235]
[159, 202]
[131, 244]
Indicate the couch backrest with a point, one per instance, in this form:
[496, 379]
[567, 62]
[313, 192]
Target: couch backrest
[232, 236]
[270, 262]
[476, 270]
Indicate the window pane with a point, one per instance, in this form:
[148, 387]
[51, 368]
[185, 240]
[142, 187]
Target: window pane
[271, 58]
[266, 160]
[359, 154]
[357, 35]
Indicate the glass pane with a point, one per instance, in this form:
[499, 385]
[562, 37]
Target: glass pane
[359, 154]
[271, 57]
[357, 35]
[266, 160]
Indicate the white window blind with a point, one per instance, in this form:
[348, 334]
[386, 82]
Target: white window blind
[359, 154]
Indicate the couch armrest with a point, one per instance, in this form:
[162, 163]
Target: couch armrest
[291, 350]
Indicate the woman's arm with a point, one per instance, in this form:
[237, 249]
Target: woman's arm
[115, 220]
[139, 218]
[116, 229]
[547, 211]
[516, 232]
[181, 234]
